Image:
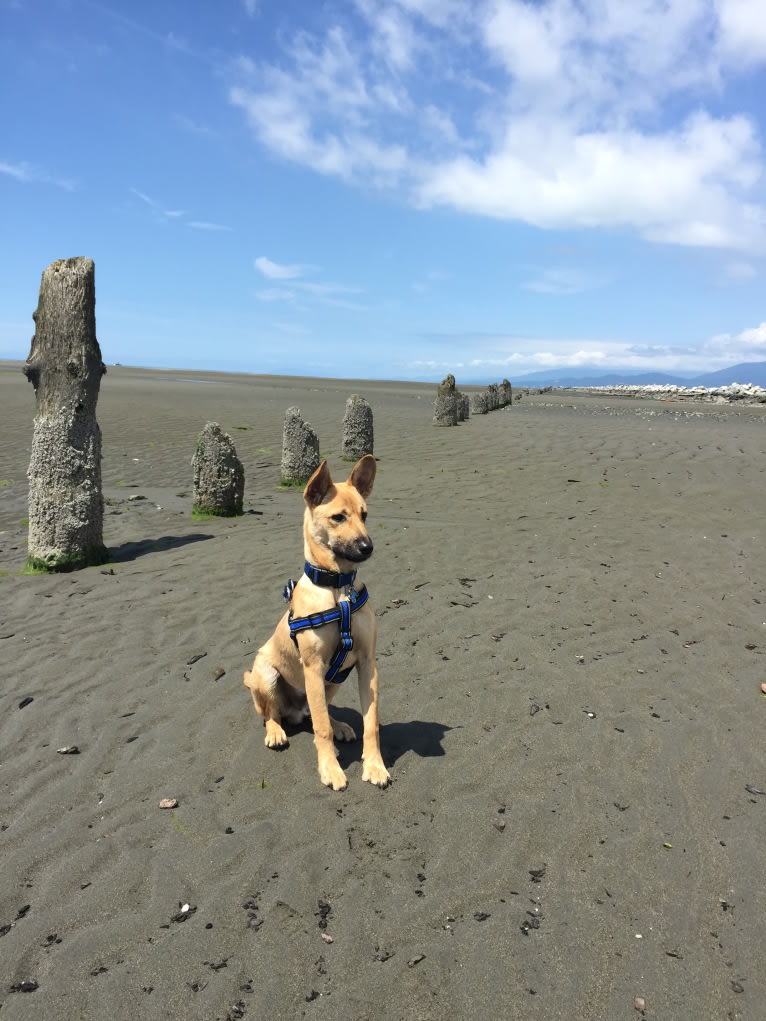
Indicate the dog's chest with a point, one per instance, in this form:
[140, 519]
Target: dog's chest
[333, 636]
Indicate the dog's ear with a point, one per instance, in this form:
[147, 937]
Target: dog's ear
[363, 475]
[318, 485]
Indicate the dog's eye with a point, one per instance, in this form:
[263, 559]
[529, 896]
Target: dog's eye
[364, 515]
[339, 518]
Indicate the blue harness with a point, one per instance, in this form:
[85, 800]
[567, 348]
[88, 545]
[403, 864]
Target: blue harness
[341, 614]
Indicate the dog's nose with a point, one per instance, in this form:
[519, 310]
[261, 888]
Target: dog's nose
[365, 547]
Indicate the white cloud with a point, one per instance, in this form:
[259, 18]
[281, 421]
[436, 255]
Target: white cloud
[156, 207]
[189, 124]
[283, 121]
[754, 337]
[680, 188]
[737, 273]
[277, 271]
[28, 173]
[747, 346]
[561, 280]
[294, 329]
[743, 30]
[21, 171]
[177, 215]
[207, 225]
[335, 295]
[493, 355]
[529, 41]
[563, 114]
[304, 292]
[276, 294]
[394, 39]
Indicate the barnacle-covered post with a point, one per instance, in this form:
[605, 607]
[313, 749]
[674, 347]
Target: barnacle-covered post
[358, 438]
[300, 449]
[446, 403]
[219, 476]
[66, 504]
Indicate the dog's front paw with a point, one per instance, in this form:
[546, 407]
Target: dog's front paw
[342, 731]
[275, 736]
[376, 773]
[333, 776]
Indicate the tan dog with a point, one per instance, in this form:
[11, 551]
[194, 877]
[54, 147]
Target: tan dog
[290, 670]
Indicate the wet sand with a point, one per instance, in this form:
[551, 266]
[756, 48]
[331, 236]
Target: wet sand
[571, 596]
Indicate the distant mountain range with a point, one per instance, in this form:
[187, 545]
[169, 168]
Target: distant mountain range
[745, 372]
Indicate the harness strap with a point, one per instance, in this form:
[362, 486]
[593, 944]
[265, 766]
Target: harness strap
[341, 614]
[345, 643]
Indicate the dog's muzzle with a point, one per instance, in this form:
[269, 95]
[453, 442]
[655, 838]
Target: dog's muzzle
[357, 551]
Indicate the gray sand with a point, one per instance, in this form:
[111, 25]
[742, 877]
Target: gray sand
[571, 600]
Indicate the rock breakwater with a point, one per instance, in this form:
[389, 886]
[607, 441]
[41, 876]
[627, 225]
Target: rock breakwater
[745, 393]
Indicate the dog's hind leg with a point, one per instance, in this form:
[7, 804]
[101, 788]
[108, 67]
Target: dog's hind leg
[340, 731]
[263, 682]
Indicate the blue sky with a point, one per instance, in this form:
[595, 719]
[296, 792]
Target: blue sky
[391, 188]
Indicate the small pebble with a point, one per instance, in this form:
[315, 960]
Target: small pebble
[639, 1003]
[68, 749]
[327, 937]
[169, 803]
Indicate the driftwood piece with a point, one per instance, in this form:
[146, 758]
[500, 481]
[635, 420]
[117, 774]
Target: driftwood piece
[66, 504]
[219, 478]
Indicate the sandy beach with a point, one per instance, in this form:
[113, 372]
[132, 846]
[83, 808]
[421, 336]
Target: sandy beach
[571, 596]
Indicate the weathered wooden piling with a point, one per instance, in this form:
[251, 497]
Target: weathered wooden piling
[446, 403]
[300, 449]
[358, 438]
[66, 504]
[219, 477]
[480, 403]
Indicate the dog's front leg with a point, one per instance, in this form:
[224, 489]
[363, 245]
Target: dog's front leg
[330, 772]
[374, 770]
